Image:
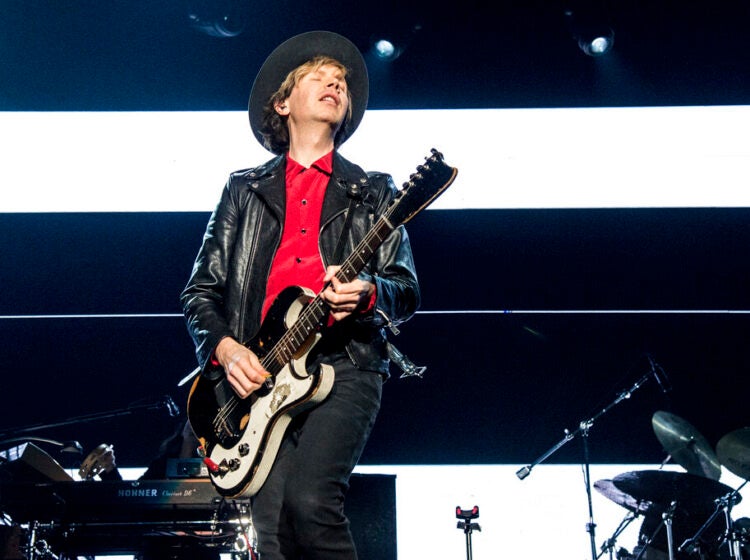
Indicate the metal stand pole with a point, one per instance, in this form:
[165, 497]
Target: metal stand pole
[609, 545]
[667, 516]
[590, 526]
[466, 515]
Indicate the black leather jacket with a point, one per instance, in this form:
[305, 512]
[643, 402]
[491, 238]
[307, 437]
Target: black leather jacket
[227, 287]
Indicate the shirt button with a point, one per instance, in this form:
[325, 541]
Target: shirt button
[304, 230]
[304, 201]
[299, 260]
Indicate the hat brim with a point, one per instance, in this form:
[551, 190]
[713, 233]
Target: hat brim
[296, 51]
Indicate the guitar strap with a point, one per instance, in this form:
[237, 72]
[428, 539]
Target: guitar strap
[407, 367]
[355, 196]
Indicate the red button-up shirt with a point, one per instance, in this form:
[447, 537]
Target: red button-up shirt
[298, 261]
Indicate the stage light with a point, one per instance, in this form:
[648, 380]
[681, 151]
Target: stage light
[217, 18]
[597, 44]
[594, 36]
[388, 45]
[386, 48]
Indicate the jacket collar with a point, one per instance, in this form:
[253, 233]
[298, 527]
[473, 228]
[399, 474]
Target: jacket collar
[347, 181]
[268, 181]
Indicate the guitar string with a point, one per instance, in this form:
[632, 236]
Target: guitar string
[309, 318]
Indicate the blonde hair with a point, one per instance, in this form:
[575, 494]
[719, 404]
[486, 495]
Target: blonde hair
[273, 128]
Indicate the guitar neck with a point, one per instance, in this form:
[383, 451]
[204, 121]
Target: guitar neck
[431, 179]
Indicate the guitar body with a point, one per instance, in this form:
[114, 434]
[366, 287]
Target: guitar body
[242, 436]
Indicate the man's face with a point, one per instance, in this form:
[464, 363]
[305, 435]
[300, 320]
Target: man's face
[319, 96]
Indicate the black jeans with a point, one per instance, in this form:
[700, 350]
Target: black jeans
[299, 511]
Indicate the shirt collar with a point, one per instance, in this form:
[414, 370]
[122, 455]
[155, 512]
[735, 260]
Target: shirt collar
[323, 165]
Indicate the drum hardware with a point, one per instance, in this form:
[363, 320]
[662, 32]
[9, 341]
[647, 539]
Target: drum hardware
[465, 516]
[661, 495]
[583, 430]
[667, 517]
[733, 451]
[608, 546]
[724, 505]
[666, 521]
[635, 507]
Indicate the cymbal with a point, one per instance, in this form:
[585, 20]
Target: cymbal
[691, 492]
[686, 445]
[609, 490]
[734, 452]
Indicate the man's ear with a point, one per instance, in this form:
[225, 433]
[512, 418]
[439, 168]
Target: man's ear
[281, 108]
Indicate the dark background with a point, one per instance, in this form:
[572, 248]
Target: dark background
[593, 293]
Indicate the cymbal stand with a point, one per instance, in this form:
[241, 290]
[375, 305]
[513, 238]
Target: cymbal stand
[583, 430]
[666, 521]
[609, 545]
[667, 517]
[723, 505]
[647, 542]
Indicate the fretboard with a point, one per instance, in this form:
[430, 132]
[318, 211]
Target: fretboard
[314, 314]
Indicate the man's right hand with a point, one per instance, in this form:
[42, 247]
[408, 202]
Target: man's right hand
[243, 368]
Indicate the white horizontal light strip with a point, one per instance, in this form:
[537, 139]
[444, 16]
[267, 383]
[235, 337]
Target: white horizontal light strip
[432, 312]
[579, 311]
[96, 316]
[507, 158]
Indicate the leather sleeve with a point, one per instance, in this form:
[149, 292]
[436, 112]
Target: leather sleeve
[392, 268]
[203, 297]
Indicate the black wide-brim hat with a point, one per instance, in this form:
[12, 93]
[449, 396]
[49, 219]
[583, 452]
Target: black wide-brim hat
[296, 51]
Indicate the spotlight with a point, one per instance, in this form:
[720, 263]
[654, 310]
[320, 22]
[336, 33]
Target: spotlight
[217, 18]
[598, 44]
[386, 48]
[594, 37]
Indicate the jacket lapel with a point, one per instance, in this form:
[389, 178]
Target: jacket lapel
[269, 182]
[345, 176]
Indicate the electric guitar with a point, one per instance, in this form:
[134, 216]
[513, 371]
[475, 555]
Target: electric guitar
[241, 437]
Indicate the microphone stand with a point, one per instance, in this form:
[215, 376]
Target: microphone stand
[166, 402]
[583, 430]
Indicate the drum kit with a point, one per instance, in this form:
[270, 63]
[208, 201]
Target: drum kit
[686, 515]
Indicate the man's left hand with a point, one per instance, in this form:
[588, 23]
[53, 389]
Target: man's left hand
[345, 298]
